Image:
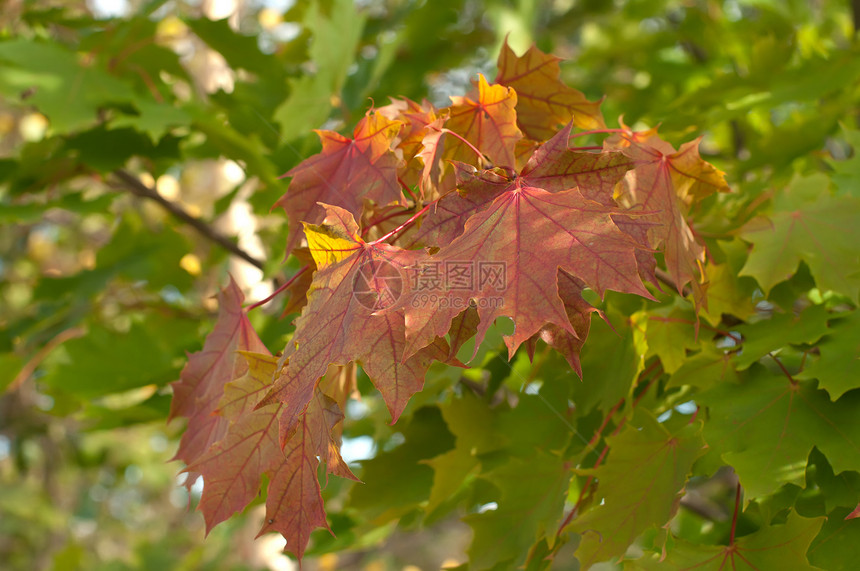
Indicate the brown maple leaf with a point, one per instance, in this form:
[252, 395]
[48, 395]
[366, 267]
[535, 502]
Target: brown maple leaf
[346, 173]
[544, 102]
[354, 314]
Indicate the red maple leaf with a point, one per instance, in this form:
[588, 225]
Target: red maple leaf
[201, 382]
[507, 259]
[553, 166]
[233, 467]
[578, 312]
[346, 172]
[666, 182]
[544, 102]
[354, 314]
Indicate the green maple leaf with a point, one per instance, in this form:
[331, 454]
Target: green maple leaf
[705, 369]
[838, 367]
[530, 504]
[768, 335]
[772, 547]
[640, 485]
[727, 293]
[808, 223]
[666, 332]
[472, 422]
[847, 172]
[835, 547]
[766, 426]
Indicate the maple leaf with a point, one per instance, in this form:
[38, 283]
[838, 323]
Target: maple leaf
[667, 332]
[553, 166]
[766, 427]
[201, 382]
[513, 248]
[578, 312]
[354, 314]
[771, 547]
[488, 122]
[809, 224]
[447, 218]
[436, 174]
[763, 337]
[628, 506]
[837, 366]
[233, 468]
[420, 121]
[299, 284]
[346, 172]
[544, 102]
[665, 182]
[532, 492]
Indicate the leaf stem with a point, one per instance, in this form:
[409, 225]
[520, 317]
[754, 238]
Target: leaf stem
[735, 515]
[283, 286]
[404, 225]
[467, 143]
[407, 190]
[783, 369]
[373, 223]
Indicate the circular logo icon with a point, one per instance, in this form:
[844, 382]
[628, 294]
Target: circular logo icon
[378, 285]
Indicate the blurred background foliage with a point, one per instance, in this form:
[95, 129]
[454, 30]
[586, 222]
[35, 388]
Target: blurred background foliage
[141, 147]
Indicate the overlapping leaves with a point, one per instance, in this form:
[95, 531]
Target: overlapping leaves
[425, 228]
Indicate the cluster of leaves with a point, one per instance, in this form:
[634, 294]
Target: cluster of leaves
[731, 362]
[492, 183]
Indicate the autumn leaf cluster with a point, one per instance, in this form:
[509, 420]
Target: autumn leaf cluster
[494, 183]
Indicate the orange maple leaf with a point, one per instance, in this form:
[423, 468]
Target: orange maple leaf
[544, 102]
[488, 122]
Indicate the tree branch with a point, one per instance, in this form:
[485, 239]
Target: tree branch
[855, 14]
[133, 185]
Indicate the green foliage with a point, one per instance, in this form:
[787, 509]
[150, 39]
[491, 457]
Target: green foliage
[141, 158]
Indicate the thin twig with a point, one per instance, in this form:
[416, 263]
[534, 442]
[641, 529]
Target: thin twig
[136, 187]
[284, 286]
[30, 367]
[855, 14]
